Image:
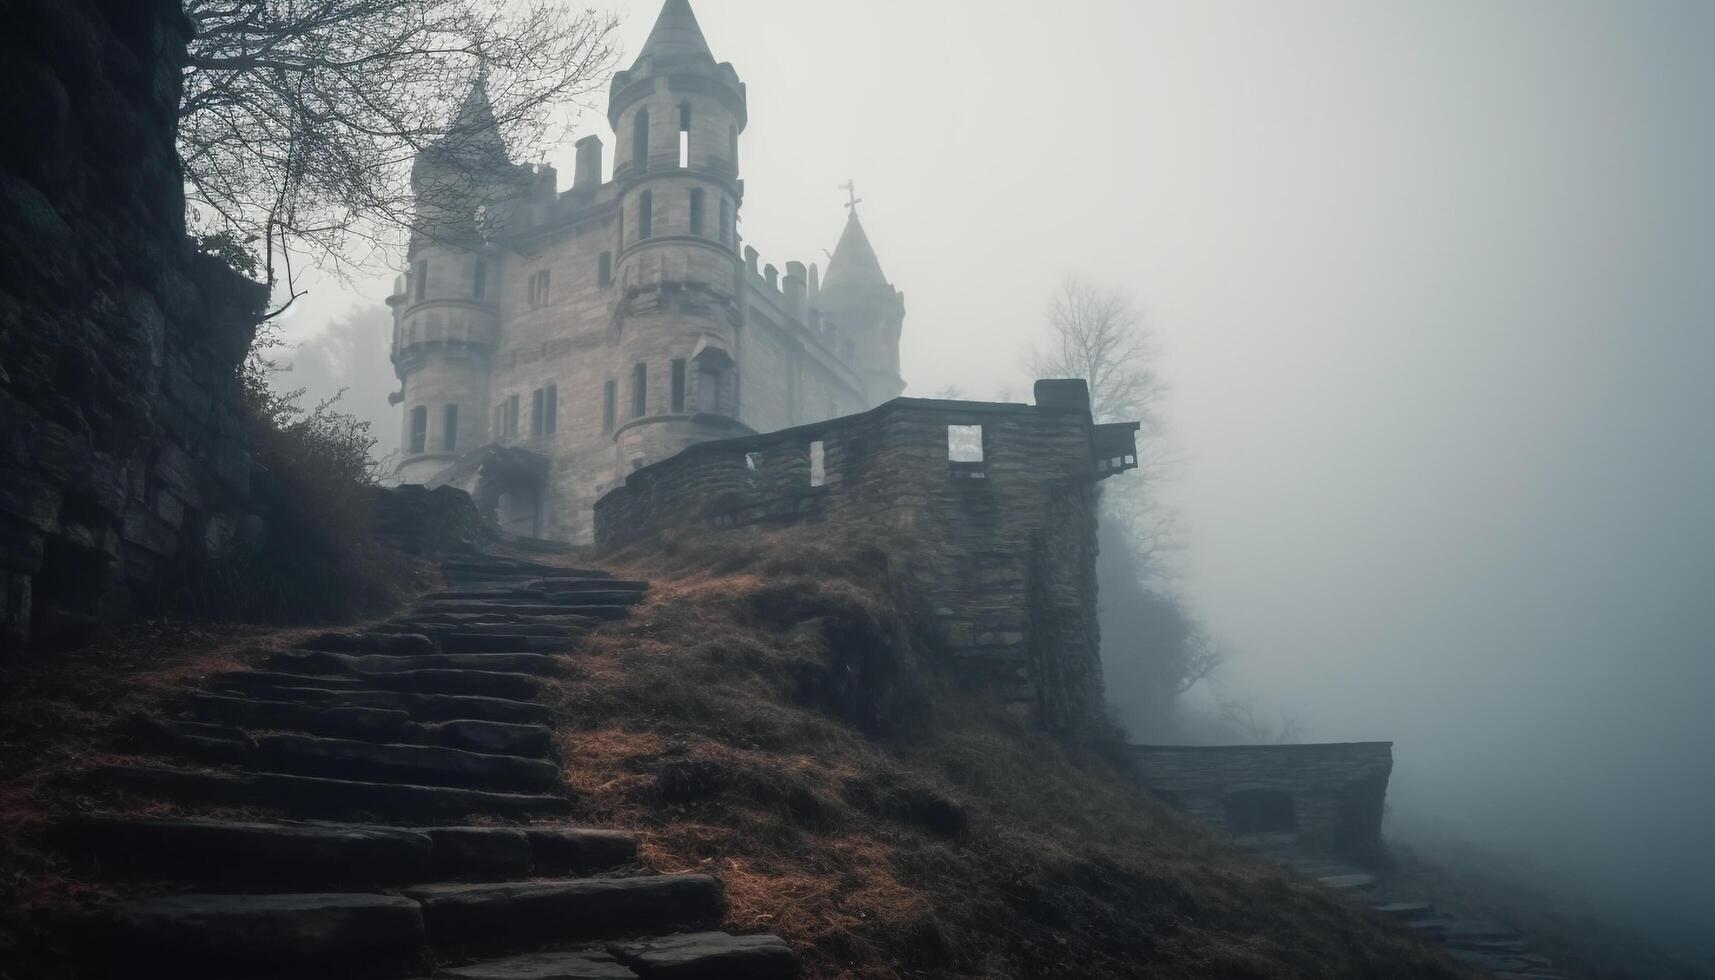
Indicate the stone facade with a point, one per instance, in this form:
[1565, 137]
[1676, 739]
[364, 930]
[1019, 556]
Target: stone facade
[995, 504]
[120, 438]
[612, 324]
[1314, 797]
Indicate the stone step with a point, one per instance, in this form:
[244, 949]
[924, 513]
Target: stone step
[1404, 910]
[440, 625]
[558, 585]
[311, 796]
[503, 567]
[354, 759]
[421, 707]
[1348, 882]
[336, 934]
[708, 956]
[477, 683]
[498, 642]
[395, 644]
[520, 609]
[535, 913]
[267, 856]
[372, 724]
[316, 662]
[586, 964]
[537, 597]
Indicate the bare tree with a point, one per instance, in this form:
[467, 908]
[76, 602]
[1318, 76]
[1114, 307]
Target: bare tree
[300, 118]
[1097, 334]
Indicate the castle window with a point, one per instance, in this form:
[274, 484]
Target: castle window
[538, 420]
[645, 214]
[604, 270]
[609, 405]
[697, 211]
[732, 145]
[639, 390]
[728, 220]
[965, 443]
[551, 409]
[419, 429]
[422, 280]
[450, 428]
[818, 464]
[685, 135]
[512, 416]
[678, 387]
[640, 141]
[480, 284]
[539, 289]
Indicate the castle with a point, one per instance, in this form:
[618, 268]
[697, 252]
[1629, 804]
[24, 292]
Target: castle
[551, 342]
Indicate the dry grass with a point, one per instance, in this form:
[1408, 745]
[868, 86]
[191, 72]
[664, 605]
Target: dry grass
[693, 720]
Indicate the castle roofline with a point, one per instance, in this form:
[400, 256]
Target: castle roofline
[676, 35]
[854, 264]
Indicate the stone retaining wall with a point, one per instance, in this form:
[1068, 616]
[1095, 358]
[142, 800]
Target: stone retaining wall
[1000, 550]
[1321, 797]
[123, 458]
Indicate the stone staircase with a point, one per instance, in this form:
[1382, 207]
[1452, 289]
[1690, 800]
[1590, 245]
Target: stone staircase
[356, 766]
[1478, 943]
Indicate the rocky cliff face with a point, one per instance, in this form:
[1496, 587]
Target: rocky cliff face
[120, 438]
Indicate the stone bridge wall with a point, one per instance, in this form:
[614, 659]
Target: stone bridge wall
[122, 457]
[1318, 797]
[1001, 551]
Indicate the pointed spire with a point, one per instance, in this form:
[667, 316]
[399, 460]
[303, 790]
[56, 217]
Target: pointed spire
[473, 139]
[853, 264]
[676, 35]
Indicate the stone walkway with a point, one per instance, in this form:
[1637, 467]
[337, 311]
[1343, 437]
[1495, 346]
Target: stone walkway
[1479, 943]
[415, 818]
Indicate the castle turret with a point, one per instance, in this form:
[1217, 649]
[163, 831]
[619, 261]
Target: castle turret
[445, 317]
[866, 310]
[677, 115]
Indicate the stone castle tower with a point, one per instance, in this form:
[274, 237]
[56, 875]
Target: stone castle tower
[550, 342]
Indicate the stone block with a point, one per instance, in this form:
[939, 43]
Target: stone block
[30, 500]
[150, 533]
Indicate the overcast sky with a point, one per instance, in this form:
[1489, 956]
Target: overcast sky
[1434, 286]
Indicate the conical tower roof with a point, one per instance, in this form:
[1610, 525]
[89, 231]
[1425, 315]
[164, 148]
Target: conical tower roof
[473, 140]
[854, 265]
[676, 35]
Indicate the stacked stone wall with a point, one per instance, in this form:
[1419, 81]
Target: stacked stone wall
[1326, 797]
[121, 445]
[1000, 553]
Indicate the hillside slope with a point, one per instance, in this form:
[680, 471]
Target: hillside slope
[959, 843]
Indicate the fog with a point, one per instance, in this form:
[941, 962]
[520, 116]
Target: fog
[1434, 286]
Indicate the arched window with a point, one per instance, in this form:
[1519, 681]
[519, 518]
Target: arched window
[450, 428]
[419, 429]
[640, 141]
[697, 211]
[646, 214]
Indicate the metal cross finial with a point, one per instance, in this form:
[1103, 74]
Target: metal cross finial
[850, 187]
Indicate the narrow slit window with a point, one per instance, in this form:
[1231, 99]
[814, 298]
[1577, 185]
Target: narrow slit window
[639, 391]
[450, 428]
[538, 420]
[678, 387]
[609, 405]
[422, 280]
[965, 443]
[697, 212]
[604, 270]
[419, 429]
[512, 416]
[818, 464]
[551, 409]
[684, 136]
[645, 214]
[640, 141]
[479, 279]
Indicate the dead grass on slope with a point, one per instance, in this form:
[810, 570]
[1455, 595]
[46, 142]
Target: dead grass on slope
[970, 845]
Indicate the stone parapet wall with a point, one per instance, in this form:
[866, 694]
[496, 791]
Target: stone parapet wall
[1000, 552]
[1324, 797]
[120, 436]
